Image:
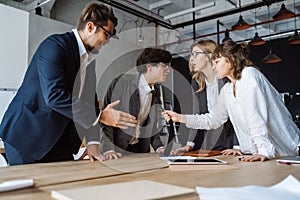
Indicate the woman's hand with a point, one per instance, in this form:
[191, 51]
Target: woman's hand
[168, 115]
[255, 157]
[234, 152]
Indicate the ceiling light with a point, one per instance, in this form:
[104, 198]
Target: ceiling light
[295, 39]
[271, 58]
[256, 41]
[227, 37]
[241, 24]
[159, 4]
[283, 13]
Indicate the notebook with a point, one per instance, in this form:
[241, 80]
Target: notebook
[136, 190]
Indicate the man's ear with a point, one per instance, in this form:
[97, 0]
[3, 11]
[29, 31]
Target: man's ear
[149, 67]
[90, 27]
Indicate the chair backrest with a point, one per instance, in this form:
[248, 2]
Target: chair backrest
[3, 162]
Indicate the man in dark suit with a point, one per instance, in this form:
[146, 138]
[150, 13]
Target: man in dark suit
[133, 89]
[55, 105]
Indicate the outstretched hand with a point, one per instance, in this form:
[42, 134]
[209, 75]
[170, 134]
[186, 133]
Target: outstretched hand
[116, 118]
[168, 115]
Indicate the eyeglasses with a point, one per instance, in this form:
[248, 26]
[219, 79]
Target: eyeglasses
[196, 53]
[106, 32]
[165, 66]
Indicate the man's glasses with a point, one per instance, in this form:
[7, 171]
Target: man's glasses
[196, 53]
[107, 33]
[165, 66]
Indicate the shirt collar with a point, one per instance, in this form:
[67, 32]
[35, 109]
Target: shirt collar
[143, 85]
[81, 47]
[213, 83]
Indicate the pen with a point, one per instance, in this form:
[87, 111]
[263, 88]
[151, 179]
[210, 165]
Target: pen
[240, 158]
[284, 163]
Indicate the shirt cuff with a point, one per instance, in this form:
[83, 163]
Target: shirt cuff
[189, 143]
[159, 148]
[98, 118]
[189, 120]
[93, 142]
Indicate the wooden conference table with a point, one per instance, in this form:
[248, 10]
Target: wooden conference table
[78, 174]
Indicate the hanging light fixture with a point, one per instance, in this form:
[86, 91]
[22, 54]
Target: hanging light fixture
[294, 39]
[256, 41]
[227, 37]
[283, 13]
[271, 57]
[241, 24]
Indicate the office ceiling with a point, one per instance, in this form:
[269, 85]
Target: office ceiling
[178, 15]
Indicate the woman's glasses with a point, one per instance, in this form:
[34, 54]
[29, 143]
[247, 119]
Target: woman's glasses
[194, 54]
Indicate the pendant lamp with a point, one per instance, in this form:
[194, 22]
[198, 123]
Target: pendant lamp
[256, 41]
[241, 24]
[227, 37]
[283, 13]
[271, 57]
[294, 39]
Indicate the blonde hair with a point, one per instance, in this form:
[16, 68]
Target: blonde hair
[207, 46]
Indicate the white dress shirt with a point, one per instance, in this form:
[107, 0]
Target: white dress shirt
[262, 123]
[144, 89]
[85, 59]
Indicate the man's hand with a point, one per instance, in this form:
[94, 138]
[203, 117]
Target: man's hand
[112, 155]
[162, 150]
[184, 149]
[116, 118]
[93, 151]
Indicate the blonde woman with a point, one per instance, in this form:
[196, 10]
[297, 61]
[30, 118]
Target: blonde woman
[206, 88]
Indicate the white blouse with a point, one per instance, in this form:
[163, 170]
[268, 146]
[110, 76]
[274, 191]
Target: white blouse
[262, 123]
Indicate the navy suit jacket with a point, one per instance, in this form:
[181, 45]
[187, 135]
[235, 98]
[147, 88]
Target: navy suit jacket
[46, 105]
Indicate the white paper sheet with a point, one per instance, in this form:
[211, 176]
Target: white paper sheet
[16, 184]
[286, 189]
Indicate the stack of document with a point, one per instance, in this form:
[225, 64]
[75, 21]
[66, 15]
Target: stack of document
[16, 184]
[286, 189]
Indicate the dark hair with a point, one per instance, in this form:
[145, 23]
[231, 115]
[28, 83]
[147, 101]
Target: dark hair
[97, 13]
[237, 54]
[152, 55]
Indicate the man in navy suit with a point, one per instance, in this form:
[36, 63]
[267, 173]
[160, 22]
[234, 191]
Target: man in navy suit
[56, 104]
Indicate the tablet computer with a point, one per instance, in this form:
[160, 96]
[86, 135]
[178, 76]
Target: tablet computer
[193, 161]
[289, 160]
